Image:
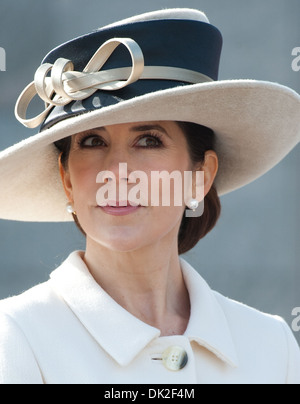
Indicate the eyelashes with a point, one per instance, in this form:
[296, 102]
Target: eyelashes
[151, 141]
[90, 141]
[146, 140]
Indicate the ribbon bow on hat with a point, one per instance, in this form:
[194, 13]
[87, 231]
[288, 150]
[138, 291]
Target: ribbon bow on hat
[66, 84]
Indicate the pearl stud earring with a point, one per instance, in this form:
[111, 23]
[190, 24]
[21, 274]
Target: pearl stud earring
[69, 208]
[193, 204]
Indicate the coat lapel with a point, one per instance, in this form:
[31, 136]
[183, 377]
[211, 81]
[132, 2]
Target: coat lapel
[111, 326]
[115, 328]
[208, 325]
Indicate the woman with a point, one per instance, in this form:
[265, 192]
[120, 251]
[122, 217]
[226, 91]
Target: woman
[128, 101]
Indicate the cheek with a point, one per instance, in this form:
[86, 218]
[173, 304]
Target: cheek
[164, 222]
[166, 178]
[83, 180]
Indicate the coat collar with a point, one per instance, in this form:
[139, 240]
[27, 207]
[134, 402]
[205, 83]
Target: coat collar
[108, 322]
[208, 325]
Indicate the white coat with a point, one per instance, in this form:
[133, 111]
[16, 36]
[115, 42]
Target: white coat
[70, 331]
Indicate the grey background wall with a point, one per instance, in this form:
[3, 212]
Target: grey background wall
[253, 253]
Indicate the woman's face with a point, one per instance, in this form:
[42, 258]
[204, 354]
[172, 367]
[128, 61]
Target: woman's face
[148, 147]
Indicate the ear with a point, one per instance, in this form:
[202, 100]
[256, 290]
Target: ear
[210, 168]
[66, 180]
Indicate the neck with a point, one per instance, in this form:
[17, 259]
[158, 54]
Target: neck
[148, 283]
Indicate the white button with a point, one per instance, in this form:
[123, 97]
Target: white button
[174, 358]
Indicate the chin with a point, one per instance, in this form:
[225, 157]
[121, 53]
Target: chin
[121, 239]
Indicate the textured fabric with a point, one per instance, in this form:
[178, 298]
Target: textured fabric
[70, 331]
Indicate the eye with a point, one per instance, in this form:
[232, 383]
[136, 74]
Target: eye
[92, 141]
[149, 141]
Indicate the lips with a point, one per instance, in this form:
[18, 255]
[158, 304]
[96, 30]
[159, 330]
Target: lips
[118, 204]
[120, 208]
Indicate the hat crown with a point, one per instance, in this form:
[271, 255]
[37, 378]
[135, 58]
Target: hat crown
[160, 50]
[177, 38]
[167, 14]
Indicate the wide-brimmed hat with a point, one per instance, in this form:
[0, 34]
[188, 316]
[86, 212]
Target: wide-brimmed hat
[156, 66]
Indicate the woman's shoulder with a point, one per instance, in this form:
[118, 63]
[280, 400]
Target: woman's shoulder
[37, 307]
[34, 298]
[266, 336]
[19, 314]
[252, 322]
[252, 316]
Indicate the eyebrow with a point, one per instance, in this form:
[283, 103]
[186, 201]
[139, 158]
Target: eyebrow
[145, 128]
[142, 128]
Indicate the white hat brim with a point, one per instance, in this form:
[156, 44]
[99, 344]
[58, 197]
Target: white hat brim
[256, 125]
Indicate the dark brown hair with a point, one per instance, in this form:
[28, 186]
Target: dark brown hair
[200, 139]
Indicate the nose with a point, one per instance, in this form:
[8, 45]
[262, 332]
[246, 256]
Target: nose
[114, 182]
[116, 164]
[119, 174]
